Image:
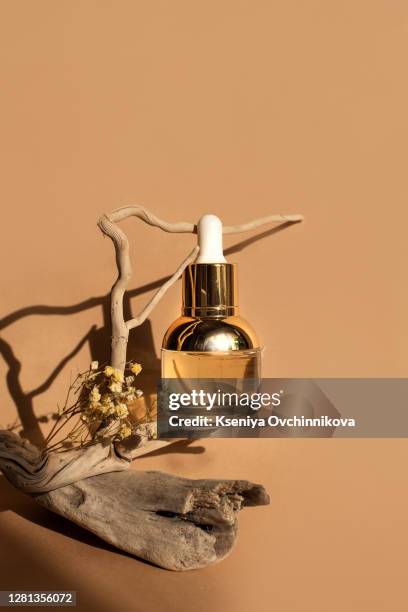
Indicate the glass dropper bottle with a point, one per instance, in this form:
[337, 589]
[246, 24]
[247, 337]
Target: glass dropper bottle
[210, 339]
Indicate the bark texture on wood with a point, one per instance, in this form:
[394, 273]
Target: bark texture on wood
[176, 523]
[27, 469]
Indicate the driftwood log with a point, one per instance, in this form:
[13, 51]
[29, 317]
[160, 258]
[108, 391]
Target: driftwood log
[174, 522]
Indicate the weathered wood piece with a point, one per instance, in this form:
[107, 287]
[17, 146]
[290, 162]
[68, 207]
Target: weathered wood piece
[27, 469]
[173, 522]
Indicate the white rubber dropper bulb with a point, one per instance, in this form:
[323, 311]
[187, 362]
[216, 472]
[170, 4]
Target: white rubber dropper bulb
[209, 230]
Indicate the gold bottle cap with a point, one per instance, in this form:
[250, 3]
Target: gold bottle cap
[210, 290]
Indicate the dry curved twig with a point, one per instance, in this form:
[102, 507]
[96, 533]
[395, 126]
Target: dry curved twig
[108, 223]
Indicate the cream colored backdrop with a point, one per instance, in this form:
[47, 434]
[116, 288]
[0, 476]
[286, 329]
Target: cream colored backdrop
[241, 108]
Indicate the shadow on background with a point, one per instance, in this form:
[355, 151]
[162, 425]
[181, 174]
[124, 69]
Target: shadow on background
[140, 347]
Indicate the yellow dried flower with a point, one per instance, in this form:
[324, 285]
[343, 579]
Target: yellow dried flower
[117, 375]
[132, 393]
[136, 368]
[94, 365]
[108, 371]
[106, 400]
[124, 432]
[115, 387]
[122, 411]
[94, 395]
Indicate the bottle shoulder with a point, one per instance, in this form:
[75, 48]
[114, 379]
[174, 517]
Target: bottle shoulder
[210, 334]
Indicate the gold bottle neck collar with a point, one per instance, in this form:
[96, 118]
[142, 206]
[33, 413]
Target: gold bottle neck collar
[210, 290]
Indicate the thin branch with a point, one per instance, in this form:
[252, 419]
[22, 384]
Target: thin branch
[145, 215]
[246, 227]
[108, 224]
[163, 289]
[120, 332]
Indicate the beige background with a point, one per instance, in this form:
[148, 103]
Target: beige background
[242, 109]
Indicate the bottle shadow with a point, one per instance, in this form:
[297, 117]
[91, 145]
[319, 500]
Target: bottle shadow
[140, 348]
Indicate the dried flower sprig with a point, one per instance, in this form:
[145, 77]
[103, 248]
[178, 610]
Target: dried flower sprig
[99, 399]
